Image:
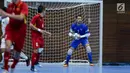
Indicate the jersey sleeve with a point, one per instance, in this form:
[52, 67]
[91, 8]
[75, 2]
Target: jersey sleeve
[24, 9]
[33, 21]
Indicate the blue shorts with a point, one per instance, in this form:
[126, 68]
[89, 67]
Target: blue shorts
[75, 43]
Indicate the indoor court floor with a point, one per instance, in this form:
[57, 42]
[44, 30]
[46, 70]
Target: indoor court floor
[58, 68]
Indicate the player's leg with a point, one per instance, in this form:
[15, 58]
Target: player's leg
[40, 49]
[23, 56]
[33, 60]
[0, 57]
[18, 38]
[85, 43]
[73, 45]
[68, 57]
[17, 51]
[36, 45]
[7, 55]
[16, 57]
[38, 57]
[2, 48]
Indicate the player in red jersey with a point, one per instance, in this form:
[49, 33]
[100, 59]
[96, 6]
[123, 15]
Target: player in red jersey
[37, 25]
[4, 23]
[15, 31]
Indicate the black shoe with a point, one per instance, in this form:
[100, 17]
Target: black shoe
[28, 62]
[2, 67]
[33, 69]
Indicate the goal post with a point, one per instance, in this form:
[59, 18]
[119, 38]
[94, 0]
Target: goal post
[60, 14]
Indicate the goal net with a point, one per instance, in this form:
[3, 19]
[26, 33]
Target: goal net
[59, 17]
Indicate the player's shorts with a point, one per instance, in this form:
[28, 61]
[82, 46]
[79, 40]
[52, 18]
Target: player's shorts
[17, 36]
[37, 42]
[75, 43]
[3, 45]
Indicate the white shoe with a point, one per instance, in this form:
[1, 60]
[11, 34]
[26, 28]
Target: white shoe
[12, 70]
[39, 65]
[5, 71]
[33, 69]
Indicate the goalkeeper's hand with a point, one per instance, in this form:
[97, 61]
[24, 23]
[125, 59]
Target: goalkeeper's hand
[74, 35]
[77, 36]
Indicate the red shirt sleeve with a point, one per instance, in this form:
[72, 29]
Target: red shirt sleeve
[24, 9]
[34, 19]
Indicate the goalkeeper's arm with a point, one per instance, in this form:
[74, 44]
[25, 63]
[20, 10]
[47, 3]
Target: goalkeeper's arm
[87, 34]
[71, 33]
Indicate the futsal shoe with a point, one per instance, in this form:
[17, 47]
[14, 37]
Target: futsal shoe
[3, 67]
[65, 65]
[33, 69]
[39, 65]
[5, 71]
[28, 62]
[91, 64]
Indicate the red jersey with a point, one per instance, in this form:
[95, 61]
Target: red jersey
[38, 22]
[17, 9]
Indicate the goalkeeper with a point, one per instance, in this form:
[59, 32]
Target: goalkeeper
[80, 32]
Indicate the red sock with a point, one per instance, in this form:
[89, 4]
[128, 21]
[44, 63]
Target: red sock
[38, 56]
[6, 60]
[14, 63]
[34, 58]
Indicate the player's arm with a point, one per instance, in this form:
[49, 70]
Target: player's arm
[33, 24]
[21, 16]
[71, 33]
[87, 34]
[39, 30]
[17, 17]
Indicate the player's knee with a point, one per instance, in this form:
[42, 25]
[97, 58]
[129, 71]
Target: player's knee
[8, 44]
[88, 48]
[70, 51]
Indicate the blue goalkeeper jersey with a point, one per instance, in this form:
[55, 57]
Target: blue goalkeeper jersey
[80, 28]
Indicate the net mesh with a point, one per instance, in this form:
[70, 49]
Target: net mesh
[58, 19]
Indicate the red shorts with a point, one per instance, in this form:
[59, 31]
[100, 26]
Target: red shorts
[37, 42]
[16, 36]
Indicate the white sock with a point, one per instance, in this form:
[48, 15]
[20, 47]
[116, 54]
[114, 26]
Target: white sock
[22, 55]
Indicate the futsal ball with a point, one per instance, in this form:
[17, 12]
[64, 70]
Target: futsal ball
[76, 36]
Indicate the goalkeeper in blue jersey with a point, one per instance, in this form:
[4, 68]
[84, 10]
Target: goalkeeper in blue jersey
[80, 32]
